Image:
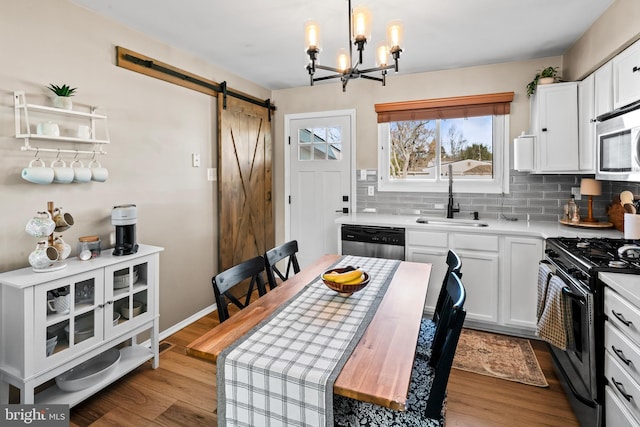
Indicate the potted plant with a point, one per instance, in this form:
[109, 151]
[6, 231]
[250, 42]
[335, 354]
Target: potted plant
[544, 76]
[63, 96]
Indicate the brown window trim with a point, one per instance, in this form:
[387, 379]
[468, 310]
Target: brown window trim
[446, 108]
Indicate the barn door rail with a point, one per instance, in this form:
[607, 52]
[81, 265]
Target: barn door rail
[133, 61]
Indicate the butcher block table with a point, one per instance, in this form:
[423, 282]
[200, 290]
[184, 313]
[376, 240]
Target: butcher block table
[379, 369]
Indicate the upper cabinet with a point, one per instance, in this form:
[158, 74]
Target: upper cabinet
[603, 77]
[554, 123]
[626, 76]
[587, 122]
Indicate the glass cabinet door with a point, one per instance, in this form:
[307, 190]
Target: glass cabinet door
[68, 315]
[128, 293]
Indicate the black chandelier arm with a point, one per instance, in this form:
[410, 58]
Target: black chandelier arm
[333, 76]
[373, 70]
[332, 69]
[378, 79]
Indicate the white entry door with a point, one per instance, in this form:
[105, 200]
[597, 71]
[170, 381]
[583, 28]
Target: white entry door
[320, 185]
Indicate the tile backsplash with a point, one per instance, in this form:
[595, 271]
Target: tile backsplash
[533, 197]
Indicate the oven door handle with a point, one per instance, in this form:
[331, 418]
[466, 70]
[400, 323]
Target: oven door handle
[566, 291]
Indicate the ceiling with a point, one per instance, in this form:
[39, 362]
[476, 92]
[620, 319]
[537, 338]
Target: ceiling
[263, 40]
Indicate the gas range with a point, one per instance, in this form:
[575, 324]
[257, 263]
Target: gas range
[583, 258]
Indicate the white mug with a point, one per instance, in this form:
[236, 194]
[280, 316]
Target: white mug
[48, 129]
[38, 175]
[60, 304]
[80, 172]
[84, 132]
[61, 173]
[40, 225]
[98, 173]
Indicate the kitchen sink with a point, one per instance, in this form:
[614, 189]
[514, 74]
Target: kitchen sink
[451, 221]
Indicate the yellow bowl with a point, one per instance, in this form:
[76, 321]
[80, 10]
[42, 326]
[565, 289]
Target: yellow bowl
[345, 289]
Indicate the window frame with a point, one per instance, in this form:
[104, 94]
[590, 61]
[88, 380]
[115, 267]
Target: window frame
[495, 105]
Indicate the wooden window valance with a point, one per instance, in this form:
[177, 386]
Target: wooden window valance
[445, 108]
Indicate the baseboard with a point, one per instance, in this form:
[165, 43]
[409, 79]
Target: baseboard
[186, 322]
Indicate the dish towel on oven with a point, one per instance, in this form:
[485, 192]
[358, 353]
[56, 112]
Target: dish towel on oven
[281, 373]
[554, 322]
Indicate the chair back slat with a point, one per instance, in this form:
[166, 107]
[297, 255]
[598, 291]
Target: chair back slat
[454, 299]
[223, 282]
[277, 254]
[454, 263]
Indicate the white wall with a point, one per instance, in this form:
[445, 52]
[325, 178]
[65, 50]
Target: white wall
[154, 128]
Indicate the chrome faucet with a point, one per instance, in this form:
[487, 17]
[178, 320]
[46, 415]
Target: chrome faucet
[450, 209]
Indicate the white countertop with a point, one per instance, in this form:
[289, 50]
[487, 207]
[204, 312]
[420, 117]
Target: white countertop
[521, 228]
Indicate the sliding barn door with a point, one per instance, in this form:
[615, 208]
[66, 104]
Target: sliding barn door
[244, 194]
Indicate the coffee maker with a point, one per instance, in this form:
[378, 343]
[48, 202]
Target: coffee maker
[124, 218]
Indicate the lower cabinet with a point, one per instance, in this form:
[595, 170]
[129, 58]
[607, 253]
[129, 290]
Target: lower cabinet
[499, 273]
[520, 281]
[621, 356]
[52, 322]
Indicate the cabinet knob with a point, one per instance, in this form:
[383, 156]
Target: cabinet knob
[544, 129]
[101, 305]
[636, 68]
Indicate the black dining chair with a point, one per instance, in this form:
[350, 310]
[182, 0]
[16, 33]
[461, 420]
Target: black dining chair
[429, 377]
[428, 326]
[222, 283]
[277, 254]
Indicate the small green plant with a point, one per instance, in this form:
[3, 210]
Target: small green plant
[63, 90]
[545, 72]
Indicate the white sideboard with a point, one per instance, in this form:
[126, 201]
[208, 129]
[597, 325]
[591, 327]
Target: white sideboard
[100, 291]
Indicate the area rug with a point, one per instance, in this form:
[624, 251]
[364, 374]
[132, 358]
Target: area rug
[499, 356]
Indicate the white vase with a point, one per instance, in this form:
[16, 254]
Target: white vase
[63, 102]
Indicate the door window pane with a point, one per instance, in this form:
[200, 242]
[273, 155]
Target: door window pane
[320, 143]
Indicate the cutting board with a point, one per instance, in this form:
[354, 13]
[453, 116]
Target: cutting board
[601, 224]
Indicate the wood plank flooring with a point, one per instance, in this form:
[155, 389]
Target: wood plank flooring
[182, 392]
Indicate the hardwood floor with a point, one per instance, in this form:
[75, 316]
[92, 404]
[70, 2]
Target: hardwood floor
[182, 392]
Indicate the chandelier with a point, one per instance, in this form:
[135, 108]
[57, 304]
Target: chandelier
[359, 33]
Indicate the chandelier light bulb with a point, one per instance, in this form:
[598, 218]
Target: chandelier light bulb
[311, 35]
[361, 23]
[395, 34]
[343, 60]
[382, 54]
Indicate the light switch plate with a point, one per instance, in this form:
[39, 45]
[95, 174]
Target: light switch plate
[363, 174]
[195, 160]
[211, 174]
[370, 190]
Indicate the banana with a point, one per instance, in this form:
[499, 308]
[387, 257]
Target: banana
[343, 277]
[355, 281]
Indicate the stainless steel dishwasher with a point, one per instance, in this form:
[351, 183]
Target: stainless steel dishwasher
[379, 242]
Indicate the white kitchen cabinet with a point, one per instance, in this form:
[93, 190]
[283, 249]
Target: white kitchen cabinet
[519, 281]
[430, 247]
[603, 87]
[97, 290]
[626, 76]
[554, 122]
[587, 122]
[499, 273]
[622, 350]
[479, 255]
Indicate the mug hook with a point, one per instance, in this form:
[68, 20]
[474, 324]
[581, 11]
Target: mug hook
[58, 155]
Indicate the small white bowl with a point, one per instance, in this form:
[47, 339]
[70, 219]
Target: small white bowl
[116, 318]
[137, 309]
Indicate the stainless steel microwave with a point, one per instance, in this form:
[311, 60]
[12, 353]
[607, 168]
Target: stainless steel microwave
[618, 147]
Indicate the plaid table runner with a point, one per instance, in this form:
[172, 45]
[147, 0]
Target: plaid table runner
[281, 373]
